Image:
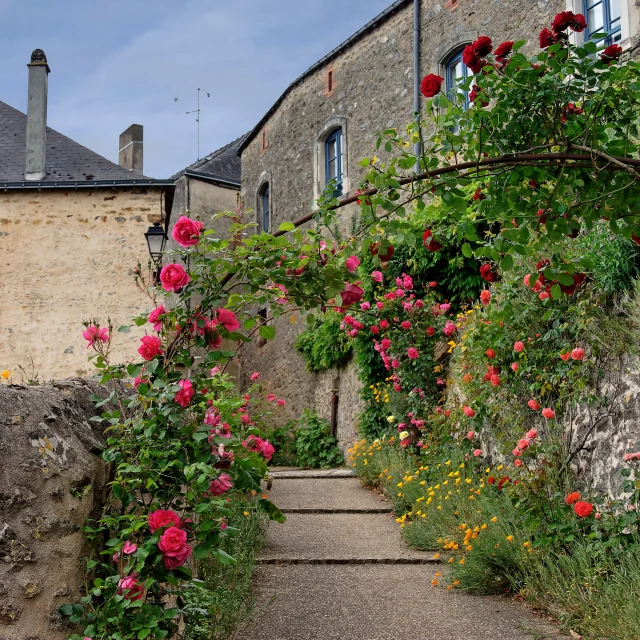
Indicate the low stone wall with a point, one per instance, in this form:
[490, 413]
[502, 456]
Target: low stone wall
[51, 481]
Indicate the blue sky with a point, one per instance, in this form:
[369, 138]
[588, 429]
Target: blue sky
[124, 61]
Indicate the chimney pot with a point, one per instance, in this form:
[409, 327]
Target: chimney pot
[130, 154]
[35, 159]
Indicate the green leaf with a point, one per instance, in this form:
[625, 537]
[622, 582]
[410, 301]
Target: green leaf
[506, 263]
[287, 226]
[267, 332]
[66, 610]
[223, 557]
[467, 252]
[202, 551]
[125, 328]
[556, 291]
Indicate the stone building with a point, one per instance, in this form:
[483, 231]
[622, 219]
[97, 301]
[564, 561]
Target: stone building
[329, 118]
[72, 228]
[209, 186]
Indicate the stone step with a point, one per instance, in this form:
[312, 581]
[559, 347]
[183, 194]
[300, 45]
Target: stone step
[380, 602]
[336, 536]
[320, 510]
[329, 494]
[295, 474]
[286, 561]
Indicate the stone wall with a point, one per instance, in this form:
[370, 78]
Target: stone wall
[69, 256]
[51, 481]
[373, 90]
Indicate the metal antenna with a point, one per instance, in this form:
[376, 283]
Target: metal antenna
[197, 111]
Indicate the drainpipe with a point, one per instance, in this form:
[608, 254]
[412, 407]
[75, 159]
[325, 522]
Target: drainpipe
[416, 70]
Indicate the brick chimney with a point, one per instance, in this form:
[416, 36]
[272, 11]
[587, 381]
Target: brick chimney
[130, 155]
[35, 168]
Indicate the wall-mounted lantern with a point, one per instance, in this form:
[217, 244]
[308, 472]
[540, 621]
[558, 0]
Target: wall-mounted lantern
[156, 241]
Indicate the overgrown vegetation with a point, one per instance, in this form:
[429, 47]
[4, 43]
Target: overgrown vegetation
[579, 562]
[323, 345]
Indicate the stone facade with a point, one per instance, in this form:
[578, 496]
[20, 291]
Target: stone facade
[68, 256]
[51, 481]
[371, 90]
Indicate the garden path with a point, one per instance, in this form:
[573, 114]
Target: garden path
[338, 569]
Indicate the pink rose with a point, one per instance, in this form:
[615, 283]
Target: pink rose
[377, 276]
[352, 264]
[449, 329]
[405, 325]
[130, 588]
[129, 547]
[228, 319]
[186, 231]
[516, 452]
[534, 405]
[280, 402]
[628, 457]
[172, 540]
[380, 305]
[214, 372]
[548, 413]
[271, 397]
[477, 453]
[352, 293]
[155, 316]
[384, 324]
[518, 347]
[485, 297]
[173, 277]
[385, 344]
[471, 435]
[518, 462]
[254, 376]
[220, 485]
[468, 411]
[150, 347]
[177, 558]
[577, 354]
[515, 366]
[524, 444]
[365, 306]
[258, 445]
[532, 434]
[183, 397]
[93, 334]
[395, 363]
[163, 518]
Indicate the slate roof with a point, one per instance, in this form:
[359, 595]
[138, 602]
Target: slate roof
[372, 24]
[222, 165]
[68, 163]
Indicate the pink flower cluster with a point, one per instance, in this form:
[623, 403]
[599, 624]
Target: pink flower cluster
[258, 445]
[94, 335]
[173, 541]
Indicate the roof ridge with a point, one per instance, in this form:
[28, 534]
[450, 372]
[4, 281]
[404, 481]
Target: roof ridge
[383, 15]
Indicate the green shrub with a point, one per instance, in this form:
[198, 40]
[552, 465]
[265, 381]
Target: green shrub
[316, 448]
[324, 345]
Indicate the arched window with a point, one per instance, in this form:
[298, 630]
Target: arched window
[333, 159]
[456, 74]
[264, 207]
[603, 16]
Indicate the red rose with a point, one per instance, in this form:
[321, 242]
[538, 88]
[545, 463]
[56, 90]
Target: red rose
[173, 277]
[183, 397]
[482, 46]
[186, 231]
[503, 50]
[471, 59]
[567, 19]
[573, 497]
[430, 85]
[490, 353]
[430, 242]
[163, 518]
[612, 53]
[150, 347]
[583, 509]
[578, 279]
[491, 480]
[487, 273]
[130, 588]
[546, 38]
[474, 94]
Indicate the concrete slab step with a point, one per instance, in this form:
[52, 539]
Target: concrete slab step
[330, 510]
[326, 494]
[380, 602]
[293, 474]
[336, 536]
